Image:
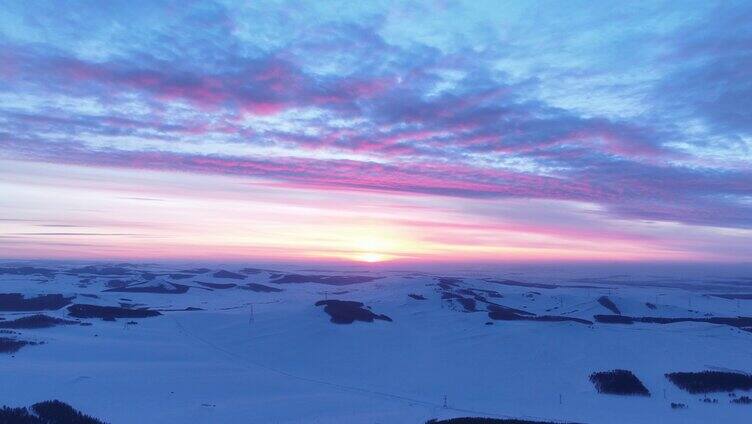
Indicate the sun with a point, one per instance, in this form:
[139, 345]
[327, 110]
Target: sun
[371, 257]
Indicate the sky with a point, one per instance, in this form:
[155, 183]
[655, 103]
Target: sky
[430, 131]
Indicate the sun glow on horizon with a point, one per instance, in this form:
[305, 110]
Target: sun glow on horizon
[162, 224]
[371, 257]
[372, 248]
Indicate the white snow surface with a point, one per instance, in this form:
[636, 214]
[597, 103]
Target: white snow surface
[256, 357]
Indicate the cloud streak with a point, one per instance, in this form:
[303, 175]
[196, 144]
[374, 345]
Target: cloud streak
[359, 103]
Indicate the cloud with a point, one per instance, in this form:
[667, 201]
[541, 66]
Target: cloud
[711, 78]
[340, 106]
[641, 191]
[61, 226]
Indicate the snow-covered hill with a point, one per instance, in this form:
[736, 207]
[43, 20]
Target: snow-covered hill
[235, 344]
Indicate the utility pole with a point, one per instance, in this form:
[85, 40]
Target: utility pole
[252, 318]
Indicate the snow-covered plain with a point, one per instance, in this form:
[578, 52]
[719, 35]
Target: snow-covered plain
[266, 356]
